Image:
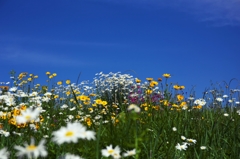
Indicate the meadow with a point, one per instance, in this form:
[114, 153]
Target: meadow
[117, 116]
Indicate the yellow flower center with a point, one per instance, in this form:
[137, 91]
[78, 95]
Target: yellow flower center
[110, 151]
[31, 147]
[28, 117]
[69, 133]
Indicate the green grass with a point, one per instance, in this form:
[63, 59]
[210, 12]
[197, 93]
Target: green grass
[102, 108]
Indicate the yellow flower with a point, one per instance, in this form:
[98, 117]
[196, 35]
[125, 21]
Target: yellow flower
[153, 83]
[183, 104]
[165, 102]
[166, 75]
[48, 73]
[104, 103]
[143, 105]
[68, 93]
[16, 112]
[12, 121]
[94, 104]
[51, 76]
[76, 91]
[82, 97]
[54, 74]
[175, 106]
[176, 87]
[90, 109]
[137, 80]
[92, 95]
[98, 101]
[23, 107]
[68, 81]
[86, 102]
[197, 107]
[180, 97]
[22, 75]
[35, 76]
[59, 83]
[41, 118]
[56, 96]
[157, 107]
[88, 121]
[149, 79]
[114, 106]
[182, 87]
[148, 91]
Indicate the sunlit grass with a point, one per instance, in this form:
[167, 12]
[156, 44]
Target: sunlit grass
[117, 116]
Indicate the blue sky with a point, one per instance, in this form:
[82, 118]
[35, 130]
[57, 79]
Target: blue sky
[196, 41]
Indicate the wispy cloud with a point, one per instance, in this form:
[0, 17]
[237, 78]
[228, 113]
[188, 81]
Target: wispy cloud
[29, 57]
[216, 12]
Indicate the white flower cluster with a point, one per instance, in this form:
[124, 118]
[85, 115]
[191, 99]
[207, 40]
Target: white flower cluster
[185, 145]
[200, 102]
[112, 82]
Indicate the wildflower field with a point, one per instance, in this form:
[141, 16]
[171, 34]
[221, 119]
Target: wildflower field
[116, 116]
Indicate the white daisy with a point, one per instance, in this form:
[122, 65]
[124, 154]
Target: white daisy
[27, 115]
[219, 99]
[181, 147]
[200, 101]
[71, 133]
[226, 114]
[129, 153]
[13, 89]
[225, 96]
[31, 150]
[64, 106]
[5, 133]
[109, 151]
[183, 137]
[203, 147]
[174, 129]
[70, 156]
[238, 111]
[4, 153]
[190, 141]
[134, 107]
